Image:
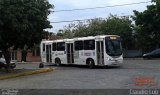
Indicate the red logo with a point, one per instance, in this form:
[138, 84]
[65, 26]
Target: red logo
[145, 81]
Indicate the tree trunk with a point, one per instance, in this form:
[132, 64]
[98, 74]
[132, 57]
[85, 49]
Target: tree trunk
[7, 58]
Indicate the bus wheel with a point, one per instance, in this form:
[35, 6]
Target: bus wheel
[58, 62]
[41, 65]
[90, 63]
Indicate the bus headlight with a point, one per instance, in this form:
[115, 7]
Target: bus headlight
[108, 59]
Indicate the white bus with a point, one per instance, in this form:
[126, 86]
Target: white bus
[46, 55]
[105, 50]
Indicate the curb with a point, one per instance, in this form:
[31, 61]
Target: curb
[28, 62]
[27, 73]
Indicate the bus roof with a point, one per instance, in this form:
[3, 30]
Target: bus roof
[84, 38]
[63, 40]
[46, 41]
[78, 38]
[94, 37]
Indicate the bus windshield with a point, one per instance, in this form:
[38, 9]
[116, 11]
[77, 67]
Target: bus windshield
[113, 47]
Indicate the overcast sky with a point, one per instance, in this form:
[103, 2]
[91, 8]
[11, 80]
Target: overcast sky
[88, 14]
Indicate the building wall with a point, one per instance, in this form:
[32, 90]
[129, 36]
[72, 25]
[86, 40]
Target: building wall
[18, 55]
[30, 57]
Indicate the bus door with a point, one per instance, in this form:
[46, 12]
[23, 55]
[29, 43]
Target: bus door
[100, 52]
[48, 53]
[70, 53]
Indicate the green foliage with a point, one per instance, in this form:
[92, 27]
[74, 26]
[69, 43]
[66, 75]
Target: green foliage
[147, 26]
[113, 25]
[122, 27]
[22, 22]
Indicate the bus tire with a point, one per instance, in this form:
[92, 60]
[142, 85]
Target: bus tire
[41, 65]
[13, 66]
[57, 62]
[90, 63]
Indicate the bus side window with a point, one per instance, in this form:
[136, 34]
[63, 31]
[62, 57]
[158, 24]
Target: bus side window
[54, 47]
[61, 46]
[43, 46]
[78, 45]
[89, 44]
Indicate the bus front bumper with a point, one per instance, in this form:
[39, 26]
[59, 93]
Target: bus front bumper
[114, 63]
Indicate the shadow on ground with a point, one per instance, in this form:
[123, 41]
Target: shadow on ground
[86, 67]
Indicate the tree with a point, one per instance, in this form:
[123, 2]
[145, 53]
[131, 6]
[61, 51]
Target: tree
[22, 23]
[92, 28]
[147, 26]
[81, 30]
[112, 25]
[121, 26]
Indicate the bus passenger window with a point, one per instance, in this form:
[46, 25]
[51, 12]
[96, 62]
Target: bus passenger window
[78, 45]
[61, 46]
[54, 47]
[89, 44]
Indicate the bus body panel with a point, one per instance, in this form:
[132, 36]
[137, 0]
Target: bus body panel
[53, 56]
[62, 56]
[78, 57]
[88, 54]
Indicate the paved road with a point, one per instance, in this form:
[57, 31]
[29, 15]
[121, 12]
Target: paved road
[80, 77]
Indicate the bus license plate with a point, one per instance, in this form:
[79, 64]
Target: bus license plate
[115, 63]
